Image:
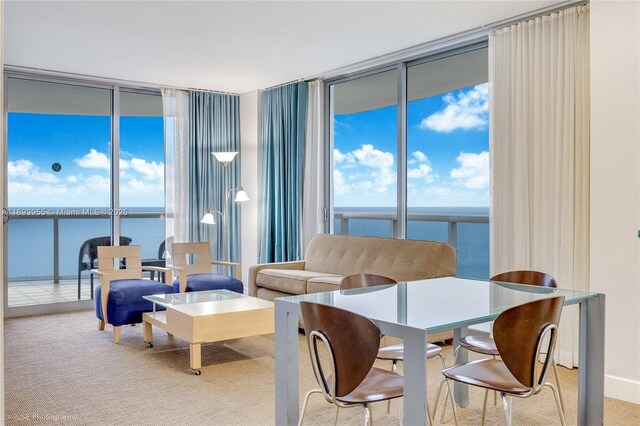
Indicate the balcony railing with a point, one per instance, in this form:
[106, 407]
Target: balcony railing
[471, 244]
[69, 215]
[452, 221]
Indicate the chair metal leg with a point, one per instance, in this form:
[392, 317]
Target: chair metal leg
[484, 405]
[429, 414]
[368, 416]
[435, 407]
[394, 368]
[555, 373]
[495, 393]
[449, 394]
[556, 395]
[336, 419]
[508, 408]
[444, 404]
[455, 355]
[453, 403]
[444, 364]
[446, 400]
[304, 404]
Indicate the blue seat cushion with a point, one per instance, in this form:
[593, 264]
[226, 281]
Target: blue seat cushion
[204, 282]
[126, 305]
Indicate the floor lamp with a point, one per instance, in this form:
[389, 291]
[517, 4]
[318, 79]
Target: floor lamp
[225, 158]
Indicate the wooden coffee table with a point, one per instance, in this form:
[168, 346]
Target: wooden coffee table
[208, 316]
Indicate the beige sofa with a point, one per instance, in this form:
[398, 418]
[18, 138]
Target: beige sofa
[331, 257]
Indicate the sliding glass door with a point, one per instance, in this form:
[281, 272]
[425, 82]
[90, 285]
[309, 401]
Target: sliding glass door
[411, 143]
[60, 187]
[448, 156]
[141, 163]
[365, 128]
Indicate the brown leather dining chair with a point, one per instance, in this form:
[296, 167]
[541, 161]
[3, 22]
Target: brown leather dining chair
[487, 345]
[393, 353]
[347, 378]
[519, 335]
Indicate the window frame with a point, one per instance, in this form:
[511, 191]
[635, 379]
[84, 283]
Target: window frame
[401, 68]
[115, 88]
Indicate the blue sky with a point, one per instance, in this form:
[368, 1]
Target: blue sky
[448, 153]
[81, 144]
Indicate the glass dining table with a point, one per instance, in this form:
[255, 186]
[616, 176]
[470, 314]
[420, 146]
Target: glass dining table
[414, 309]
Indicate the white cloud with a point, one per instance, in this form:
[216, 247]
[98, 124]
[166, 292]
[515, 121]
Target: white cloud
[27, 171]
[97, 182]
[418, 157]
[369, 156]
[151, 171]
[135, 168]
[385, 177]
[340, 187]
[94, 160]
[72, 179]
[343, 159]
[19, 187]
[467, 110]
[473, 172]
[422, 171]
[372, 181]
[19, 168]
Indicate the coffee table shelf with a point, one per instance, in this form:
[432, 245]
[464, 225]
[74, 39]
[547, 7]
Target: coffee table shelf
[208, 316]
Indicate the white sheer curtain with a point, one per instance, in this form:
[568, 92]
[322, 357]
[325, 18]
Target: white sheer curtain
[313, 190]
[175, 105]
[539, 74]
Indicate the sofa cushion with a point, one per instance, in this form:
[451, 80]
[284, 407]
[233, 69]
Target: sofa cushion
[204, 282]
[270, 295]
[287, 280]
[322, 284]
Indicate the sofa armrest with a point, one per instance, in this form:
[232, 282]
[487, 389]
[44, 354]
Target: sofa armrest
[447, 264]
[253, 272]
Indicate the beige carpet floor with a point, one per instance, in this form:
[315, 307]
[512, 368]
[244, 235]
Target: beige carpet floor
[59, 369]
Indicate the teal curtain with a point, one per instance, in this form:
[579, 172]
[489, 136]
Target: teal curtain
[214, 125]
[282, 141]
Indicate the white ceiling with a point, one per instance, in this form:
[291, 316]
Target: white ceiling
[229, 46]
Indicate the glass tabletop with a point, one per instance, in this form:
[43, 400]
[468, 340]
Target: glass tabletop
[193, 297]
[440, 303]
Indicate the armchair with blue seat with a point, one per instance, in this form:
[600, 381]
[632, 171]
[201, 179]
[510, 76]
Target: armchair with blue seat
[119, 297]
[192, 265]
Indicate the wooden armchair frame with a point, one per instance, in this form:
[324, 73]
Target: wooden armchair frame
[180, 262]
[108, 258]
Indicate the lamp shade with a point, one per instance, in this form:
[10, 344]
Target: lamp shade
[208, 219]
[225, 157]
[241, 196]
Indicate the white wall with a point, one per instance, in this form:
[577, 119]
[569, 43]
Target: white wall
[249, 103]
[615, 187]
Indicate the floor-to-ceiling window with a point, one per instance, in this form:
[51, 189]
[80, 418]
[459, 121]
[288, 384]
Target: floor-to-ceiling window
[365, 129]
[60, 188]
[444, 147]
[141, 163]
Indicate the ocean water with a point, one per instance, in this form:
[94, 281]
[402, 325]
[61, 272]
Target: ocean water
[473, 238]
[31, 241]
